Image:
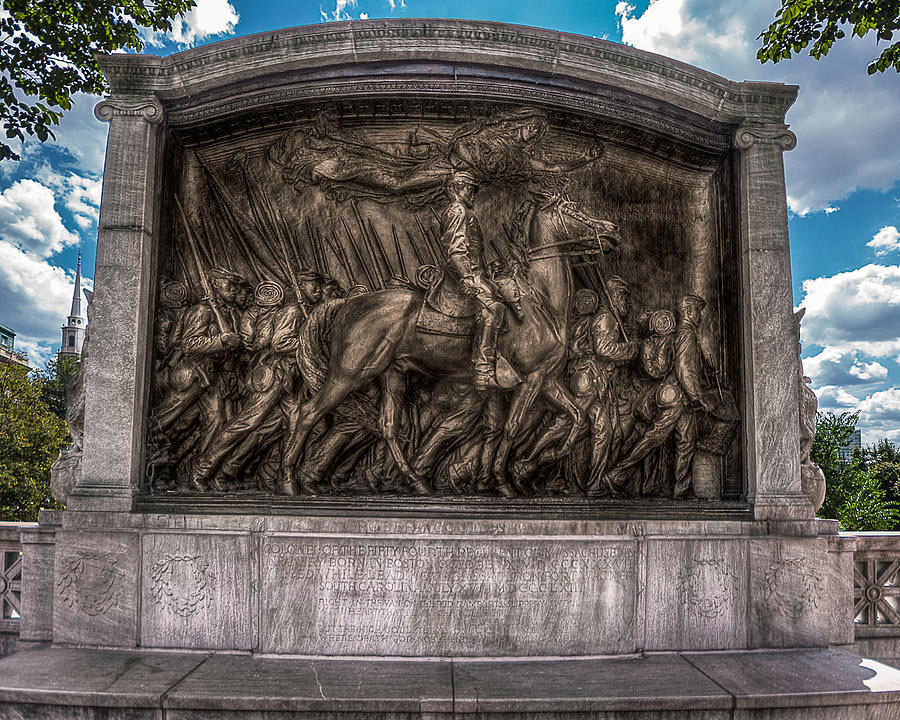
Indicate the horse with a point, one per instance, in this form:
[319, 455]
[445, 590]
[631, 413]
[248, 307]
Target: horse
[374, 337]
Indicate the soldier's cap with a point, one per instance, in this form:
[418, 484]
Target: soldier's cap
[693, 300]
[463, 176]
[617, 283]
[586, 301]
[220, 273]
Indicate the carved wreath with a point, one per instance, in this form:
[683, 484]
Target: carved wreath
[89, 581]
[707, 586]
[182, 584]
[793, 587]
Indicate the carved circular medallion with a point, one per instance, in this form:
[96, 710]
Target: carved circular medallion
[4, 584]
[874, 593]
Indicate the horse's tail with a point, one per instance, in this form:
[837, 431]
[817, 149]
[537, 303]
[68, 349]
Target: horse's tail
[314, 348]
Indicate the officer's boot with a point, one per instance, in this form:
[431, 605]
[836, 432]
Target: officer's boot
[484, 355]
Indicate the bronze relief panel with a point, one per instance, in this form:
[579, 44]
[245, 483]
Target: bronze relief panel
[496, 305]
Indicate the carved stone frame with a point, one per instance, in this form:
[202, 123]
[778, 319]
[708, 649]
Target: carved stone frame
[151, 97]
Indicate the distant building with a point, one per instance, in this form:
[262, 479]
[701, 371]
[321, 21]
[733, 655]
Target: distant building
[73, 330]
[854, 443]
[8, 354]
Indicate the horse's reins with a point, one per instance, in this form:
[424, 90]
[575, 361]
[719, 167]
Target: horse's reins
[564, 207]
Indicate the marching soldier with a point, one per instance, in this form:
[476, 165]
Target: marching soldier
[270, 331]
[676, 399]
[208, 336]
[611, 355]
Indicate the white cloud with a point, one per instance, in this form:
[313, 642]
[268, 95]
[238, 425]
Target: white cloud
[845, 120]
[829, 209]
[879, 412]
[35, 296]
[856, 310]
[886, 240]
[363, 16]
[81, 194]
[37, 351]
[29, 220]
[207, 18]
[79, 133]
[833, 398]
[842, 366]
[340, 12]
[396, 4]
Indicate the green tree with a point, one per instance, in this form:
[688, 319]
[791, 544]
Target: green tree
[61, 370]
[854, 495]
[820, 23]
[48, 53]
[31, 436]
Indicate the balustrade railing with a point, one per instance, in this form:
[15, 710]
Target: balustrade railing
[10, 584]
[876, 584]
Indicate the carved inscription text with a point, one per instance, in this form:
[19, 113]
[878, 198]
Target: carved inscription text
[382, 594]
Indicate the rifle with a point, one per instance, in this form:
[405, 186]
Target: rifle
[204, 281]
[612, 307]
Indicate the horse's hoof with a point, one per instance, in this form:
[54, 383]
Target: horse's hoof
[522, 470]
[419, 487]
[506, 490]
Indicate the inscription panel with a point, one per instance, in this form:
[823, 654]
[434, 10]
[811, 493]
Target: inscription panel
[454, 596]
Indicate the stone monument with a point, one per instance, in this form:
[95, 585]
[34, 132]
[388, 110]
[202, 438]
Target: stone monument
[439, 339]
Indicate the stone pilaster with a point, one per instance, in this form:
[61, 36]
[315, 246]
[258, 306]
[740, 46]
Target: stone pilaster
[769, 333]
[38, 551]
[114, 390]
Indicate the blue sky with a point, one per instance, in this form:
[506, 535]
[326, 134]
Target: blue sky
[843, 180]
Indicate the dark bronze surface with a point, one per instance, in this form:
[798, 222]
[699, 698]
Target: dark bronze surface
[495, 306]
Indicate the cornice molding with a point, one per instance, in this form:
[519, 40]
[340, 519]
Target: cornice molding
[399, 43]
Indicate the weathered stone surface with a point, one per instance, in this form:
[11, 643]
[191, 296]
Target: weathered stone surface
[799, 678]
[632, 684]
[696, 594]
[794, 685]
[37, 583]
[96, 579]
[196, 591]
[799, 594]
[92, 678]
[456, 596]
[316, 685]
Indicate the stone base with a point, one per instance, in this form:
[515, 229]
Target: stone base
[369, 586]
[825, 684]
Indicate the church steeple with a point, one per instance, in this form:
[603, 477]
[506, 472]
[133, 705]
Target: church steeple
[73, 330]
[76, 296]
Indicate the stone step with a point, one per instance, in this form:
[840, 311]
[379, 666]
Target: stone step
[51, 682]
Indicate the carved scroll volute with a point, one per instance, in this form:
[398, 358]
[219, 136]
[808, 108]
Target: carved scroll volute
[751, 134]
[148, 109]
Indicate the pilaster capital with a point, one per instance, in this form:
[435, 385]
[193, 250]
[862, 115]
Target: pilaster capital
[777, 134]
[150, 109]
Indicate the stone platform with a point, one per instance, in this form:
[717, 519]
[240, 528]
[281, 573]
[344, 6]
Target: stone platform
[47, 682]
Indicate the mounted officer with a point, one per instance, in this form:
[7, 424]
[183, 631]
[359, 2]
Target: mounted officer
[464, 290]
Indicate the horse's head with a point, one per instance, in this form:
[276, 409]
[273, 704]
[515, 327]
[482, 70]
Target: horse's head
[570, 223]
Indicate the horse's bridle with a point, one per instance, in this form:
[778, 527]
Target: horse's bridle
[565, 206]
